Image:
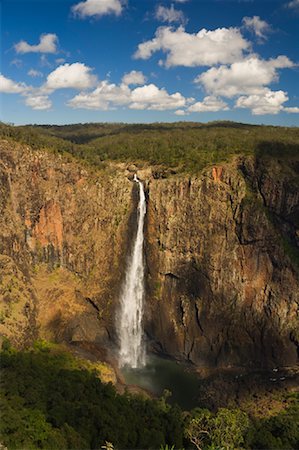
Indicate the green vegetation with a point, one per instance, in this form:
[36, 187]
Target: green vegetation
[185, 146]
[48, 401]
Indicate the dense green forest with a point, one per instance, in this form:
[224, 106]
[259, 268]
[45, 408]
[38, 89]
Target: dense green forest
[49, 402]
[185, 146]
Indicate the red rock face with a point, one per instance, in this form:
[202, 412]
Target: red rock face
[49, 228]
[216, 173]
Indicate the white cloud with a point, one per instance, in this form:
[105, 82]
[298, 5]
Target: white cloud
[209, 104]
[133, 77]
[60, 60]
[105, 96]
[205, 48]
[75, 76]
[151, 97]
[249, 76]
[97, 8]
[258, 26]
[47, 44]
[180, 112]
[293, 4]
[8, 86]
[38, 102]
[170, 15]
[266, 102]
[34, 73]
[291, 109]
[181, 1]
[109, 95]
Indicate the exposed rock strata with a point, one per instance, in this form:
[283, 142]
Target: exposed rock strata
[222, 285]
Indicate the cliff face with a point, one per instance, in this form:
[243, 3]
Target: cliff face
[62, 243]
[222, 287]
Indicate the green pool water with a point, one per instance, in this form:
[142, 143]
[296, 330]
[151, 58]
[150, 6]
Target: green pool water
[160, 374]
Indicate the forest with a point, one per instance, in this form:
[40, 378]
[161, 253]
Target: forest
[49, 402]
[187, 147]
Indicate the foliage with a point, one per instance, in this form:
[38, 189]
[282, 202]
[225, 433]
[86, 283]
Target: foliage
[185, 146]
[225, 429]
[48, 403]
[277, 432]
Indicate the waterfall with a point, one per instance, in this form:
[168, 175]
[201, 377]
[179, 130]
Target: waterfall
[132, 352]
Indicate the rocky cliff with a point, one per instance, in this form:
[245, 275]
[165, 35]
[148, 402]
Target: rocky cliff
[223, 288]
[221, 254]
[63, 241]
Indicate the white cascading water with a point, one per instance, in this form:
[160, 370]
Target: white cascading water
[132, 351]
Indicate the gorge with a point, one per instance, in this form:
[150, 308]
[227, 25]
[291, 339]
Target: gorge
[106, 257]
[219, 268]
[221, 276]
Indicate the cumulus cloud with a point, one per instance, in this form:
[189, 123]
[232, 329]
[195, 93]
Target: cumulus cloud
[103, 97]
[47, 44]
[38, 102]
[249, 76]
[205, 48]
[170, 15]
[151, 97]
[180, 112]
[266, 102]
[32, 97]
[75, 76]
[8, 86]
[109, 95]
[34, 73]
[134, 77]
[257, 26]
[209, 104]
[97, 8]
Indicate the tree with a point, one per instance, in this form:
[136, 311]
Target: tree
[199, 427]
[229, 428]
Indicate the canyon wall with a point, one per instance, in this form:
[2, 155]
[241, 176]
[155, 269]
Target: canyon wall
[222, 280]
[63, 240]
[220, 247]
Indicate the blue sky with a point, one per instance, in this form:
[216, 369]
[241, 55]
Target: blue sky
[66, 61]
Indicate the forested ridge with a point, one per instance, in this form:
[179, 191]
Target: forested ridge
[183, 145]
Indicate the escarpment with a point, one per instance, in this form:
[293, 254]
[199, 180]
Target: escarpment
[223, 279]
[63, 227]
[221, 255]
